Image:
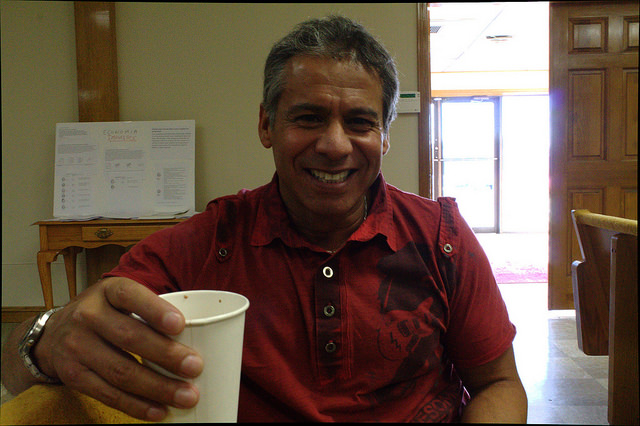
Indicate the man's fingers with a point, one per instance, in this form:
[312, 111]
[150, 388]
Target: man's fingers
[86, 381]
[136, 337]
[86, 345]
[127, 295]
[130, 376]
[119, 381]
[127, 333]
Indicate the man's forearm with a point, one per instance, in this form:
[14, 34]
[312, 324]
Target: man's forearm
[500, 402]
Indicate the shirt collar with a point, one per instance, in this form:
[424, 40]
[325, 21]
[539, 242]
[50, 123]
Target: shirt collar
[272, 221]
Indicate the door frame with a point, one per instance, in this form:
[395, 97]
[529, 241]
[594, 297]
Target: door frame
[425, 171]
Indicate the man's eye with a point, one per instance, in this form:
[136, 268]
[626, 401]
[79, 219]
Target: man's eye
[309, 119]
[359, 124]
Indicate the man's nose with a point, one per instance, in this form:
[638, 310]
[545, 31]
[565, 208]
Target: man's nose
[334, 141]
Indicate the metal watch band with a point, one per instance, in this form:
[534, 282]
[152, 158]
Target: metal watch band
[28, 342]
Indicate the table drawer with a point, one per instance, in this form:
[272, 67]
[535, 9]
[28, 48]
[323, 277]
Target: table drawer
[119, 233]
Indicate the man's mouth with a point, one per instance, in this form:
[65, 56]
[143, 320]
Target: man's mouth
[330, 177]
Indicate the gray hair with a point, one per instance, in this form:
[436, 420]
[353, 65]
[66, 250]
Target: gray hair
[333, 37]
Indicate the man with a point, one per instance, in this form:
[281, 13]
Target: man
[367, 303]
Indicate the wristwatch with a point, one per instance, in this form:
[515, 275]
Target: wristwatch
[29, 341]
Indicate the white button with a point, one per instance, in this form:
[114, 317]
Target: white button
[330, 347]
[329, 310]
[327, 272]
[447, 248]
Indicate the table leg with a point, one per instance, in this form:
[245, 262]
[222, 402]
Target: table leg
[44, 269]
[102, 259]
[69, 255]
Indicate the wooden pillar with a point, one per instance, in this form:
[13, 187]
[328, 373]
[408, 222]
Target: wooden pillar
[97, 63]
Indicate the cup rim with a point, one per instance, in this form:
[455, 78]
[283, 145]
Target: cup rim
[215, 318]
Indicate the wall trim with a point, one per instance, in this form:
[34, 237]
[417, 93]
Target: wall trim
[20, 313]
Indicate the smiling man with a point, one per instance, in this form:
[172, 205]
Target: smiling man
[367, 303]
[328, 139]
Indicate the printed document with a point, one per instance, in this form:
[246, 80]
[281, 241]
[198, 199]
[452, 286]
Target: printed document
[125, 169]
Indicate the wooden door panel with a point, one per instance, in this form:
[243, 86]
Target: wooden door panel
[586, 100]
[630, 33]
[630, 202]
[630, 81]
[593, 91]
[588, 35]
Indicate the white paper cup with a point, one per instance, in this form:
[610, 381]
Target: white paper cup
[215, 328]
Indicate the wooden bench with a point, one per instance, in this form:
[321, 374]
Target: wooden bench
[605, 293]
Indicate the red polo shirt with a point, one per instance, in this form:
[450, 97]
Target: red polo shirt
[370, 333]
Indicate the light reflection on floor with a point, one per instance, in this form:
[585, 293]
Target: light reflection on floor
[563, 384]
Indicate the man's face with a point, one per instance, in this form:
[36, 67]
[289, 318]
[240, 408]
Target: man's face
[327, 138]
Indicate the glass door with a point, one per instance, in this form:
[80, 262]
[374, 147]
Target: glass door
[525, 164]
[467, 157]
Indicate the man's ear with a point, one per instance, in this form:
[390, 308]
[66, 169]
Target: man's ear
[264, 128]
[385, 144]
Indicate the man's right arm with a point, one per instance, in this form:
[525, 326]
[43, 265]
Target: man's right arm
[87, 346]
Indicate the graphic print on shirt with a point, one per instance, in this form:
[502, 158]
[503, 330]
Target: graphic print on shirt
[411, 310]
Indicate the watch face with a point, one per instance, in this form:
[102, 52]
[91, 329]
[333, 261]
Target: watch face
[27, 340]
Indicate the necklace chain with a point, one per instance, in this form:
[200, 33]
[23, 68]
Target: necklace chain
[366, 208]
[364, 217]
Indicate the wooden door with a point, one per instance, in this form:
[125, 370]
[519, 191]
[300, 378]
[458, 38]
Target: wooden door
[593, 91]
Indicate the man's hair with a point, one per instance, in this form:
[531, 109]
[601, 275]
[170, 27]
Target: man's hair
[338, 38]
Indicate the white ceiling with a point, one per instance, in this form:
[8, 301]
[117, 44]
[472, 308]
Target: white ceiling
[461, 43]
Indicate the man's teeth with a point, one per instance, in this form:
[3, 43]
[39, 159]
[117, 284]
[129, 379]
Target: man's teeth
[330, 177]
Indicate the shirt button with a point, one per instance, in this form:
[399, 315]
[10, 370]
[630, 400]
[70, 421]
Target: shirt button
[330, 347]
[329, 310]
[327, 272]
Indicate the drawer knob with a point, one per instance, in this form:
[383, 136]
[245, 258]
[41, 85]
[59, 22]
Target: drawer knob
[103, 233]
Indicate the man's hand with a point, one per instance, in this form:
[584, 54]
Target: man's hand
[86, 345]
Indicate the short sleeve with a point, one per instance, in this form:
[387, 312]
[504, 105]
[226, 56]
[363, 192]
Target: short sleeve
[171, 259]
[479, 329]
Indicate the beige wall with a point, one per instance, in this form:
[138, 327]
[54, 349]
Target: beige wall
[175, 61]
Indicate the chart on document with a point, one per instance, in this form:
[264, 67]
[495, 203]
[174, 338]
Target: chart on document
[124, 169]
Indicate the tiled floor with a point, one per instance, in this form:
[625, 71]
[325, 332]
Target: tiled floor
[563, 385]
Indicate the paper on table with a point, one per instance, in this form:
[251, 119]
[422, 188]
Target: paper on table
[124, 169]
[179, 215]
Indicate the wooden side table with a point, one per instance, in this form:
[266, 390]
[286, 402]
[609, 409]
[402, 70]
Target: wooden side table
[100, 237]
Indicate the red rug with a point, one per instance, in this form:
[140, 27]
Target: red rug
[517, 257]
[510, 274]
